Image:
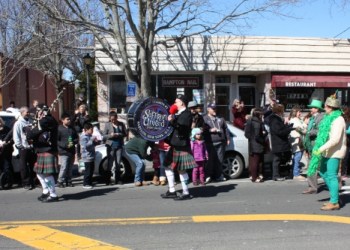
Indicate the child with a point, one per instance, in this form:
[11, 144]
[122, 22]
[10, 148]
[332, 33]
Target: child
[67, 138]
[87, 147]
[200, 155]
[156, 165]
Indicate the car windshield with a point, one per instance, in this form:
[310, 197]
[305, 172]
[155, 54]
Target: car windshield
[9, 120]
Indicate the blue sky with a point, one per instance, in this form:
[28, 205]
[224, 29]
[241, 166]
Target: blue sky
[317, 18]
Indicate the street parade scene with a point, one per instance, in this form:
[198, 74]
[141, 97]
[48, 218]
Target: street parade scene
[174, 124]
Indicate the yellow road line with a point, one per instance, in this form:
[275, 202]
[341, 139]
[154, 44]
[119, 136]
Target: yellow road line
[42, 237]
[186, 219]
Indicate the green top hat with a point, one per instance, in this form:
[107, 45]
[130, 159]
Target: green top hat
[315, 104]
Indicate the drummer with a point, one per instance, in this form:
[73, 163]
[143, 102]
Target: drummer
[179, 156]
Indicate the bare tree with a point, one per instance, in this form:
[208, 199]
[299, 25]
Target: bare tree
[155, 23]
[31, 39]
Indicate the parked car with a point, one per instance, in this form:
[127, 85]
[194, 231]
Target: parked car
[235, 161]
[6, 179]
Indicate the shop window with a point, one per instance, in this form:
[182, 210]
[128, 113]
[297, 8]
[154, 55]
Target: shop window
[246, 79]
[223, 79]
[117, 92]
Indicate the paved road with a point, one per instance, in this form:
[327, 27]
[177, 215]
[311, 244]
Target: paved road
[236, 214]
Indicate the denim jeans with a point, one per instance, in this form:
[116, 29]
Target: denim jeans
[67, 162]
[162, 155]
[296, 163]
[139, 166]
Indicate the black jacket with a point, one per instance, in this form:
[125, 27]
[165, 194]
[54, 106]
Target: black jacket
[182, 129]
[279, 134]
[44, 139]
[64, 135]
[254, 131]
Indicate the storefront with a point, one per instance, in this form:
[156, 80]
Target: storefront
[299, 89]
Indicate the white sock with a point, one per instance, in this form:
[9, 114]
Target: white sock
[184, 181]
[41, 178]
[50, 182]
[171, 179]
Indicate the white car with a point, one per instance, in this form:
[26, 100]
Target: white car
[235, 160]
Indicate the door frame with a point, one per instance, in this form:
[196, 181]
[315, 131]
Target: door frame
[230, 85]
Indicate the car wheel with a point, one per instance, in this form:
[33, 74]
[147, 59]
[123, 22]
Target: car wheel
[125, 171]
[233, 165]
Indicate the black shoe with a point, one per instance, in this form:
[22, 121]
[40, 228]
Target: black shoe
[28, 187]
[43, 197]
[169, 195]
[60, 184]
[183, 197]
[69, 184]
[50, 199]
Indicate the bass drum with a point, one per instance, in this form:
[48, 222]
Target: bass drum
[148, 118]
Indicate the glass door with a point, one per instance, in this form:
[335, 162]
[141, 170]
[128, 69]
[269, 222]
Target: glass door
[222, 101]
[247, 95]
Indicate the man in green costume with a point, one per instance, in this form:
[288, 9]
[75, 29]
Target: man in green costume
[329, 149]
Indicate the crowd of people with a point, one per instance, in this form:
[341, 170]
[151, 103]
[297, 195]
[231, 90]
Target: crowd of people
[321, 138]
[196, 145]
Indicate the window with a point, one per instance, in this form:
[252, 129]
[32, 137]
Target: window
[223, 79]
[117, 93]
[246, 79]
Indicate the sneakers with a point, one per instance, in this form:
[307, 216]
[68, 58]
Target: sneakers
[87, 187]
[195, 183]
[221, 178]
[50, 199]
[169, 195]
[279, 179]
[207, 180]
[299, 178]
[138, 184]
[69, 184]
[43, 197]
[309, 191]
[183, 197]
[60, 184]
[330, 207]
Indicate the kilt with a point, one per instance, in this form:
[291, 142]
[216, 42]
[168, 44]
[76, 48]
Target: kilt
[46, 163]
[182, 159]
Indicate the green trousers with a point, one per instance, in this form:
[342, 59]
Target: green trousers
[329, 172]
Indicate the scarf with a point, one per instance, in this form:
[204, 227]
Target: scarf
[322, 138]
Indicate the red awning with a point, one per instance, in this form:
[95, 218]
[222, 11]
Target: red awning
[310, 81]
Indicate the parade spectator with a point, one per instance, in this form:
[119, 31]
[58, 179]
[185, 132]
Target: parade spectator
[197, 118]
[27, 156]
[33, 109]
[88, 143]
[280, 146]
[80, 118]
[256, 134]
[136, 149]
[200, 155]
[238, 113]
[78, 102]
[345, 165]
[179, 156]
[329, 149]
[216, 137]
[114, 134]
[156, 165]
[163, 149]
[309, 140]
[44, 137]
[296, 140]
[12, 108]
[67, 138]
